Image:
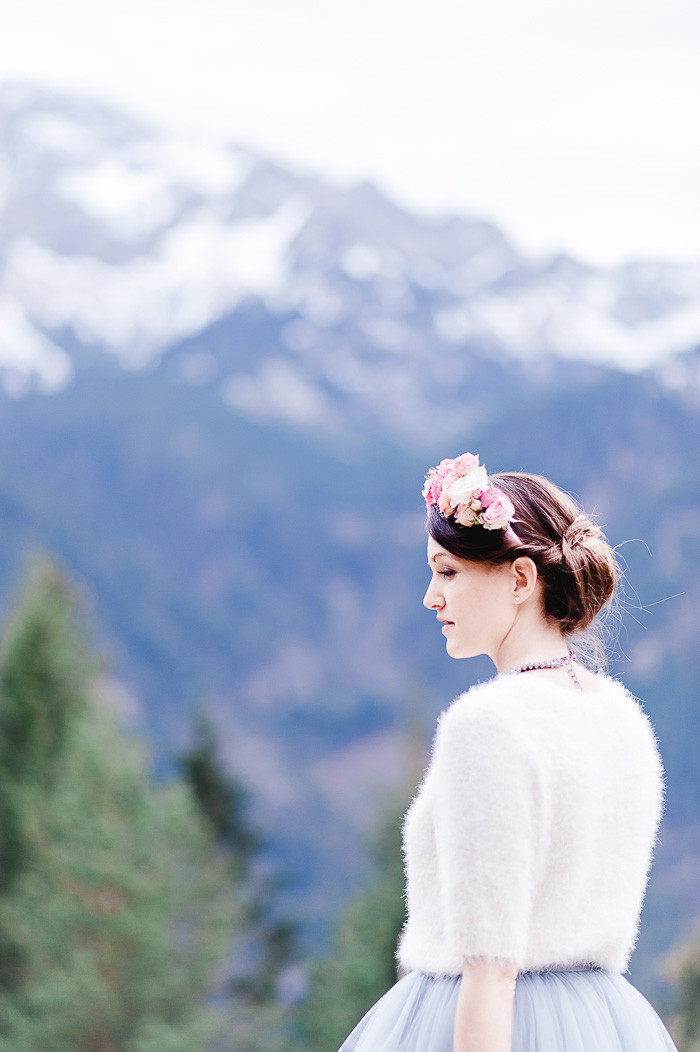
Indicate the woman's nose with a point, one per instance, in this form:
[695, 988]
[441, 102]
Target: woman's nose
[431, 599]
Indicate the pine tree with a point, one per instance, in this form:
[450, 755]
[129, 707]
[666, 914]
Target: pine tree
[222, 800]
[42, 681]
[266, 944]
[362, 964]
[115, 913]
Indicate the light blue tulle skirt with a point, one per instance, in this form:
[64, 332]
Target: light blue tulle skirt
[589, 1010]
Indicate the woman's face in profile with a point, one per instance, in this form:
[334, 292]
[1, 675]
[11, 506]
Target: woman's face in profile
[472, 600]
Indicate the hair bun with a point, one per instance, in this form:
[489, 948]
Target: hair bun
[578, 533]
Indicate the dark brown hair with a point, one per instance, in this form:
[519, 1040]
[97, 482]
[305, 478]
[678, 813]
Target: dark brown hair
[574, 561]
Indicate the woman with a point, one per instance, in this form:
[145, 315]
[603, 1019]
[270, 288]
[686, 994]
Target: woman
[528, 845]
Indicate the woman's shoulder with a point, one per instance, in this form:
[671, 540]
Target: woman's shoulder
[509, 706]
[483, 715]
[491, 702]
[482, 747]
[484, 701]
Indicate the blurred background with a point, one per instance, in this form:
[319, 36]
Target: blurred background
[261, 266]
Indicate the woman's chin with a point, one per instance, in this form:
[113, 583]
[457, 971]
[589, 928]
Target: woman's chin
[454, 650]
[457, 651]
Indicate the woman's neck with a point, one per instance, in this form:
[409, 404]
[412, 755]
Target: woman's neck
[529, 643]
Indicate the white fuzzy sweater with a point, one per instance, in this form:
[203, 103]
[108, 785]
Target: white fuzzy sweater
[531, 836]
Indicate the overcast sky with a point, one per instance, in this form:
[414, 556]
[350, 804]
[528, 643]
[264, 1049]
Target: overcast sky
[575, 125]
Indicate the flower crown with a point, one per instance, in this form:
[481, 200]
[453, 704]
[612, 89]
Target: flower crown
[462, 489]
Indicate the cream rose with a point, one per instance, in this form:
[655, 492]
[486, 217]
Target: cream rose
[460, 491]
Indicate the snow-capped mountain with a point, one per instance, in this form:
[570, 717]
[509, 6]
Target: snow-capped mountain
[123, 240]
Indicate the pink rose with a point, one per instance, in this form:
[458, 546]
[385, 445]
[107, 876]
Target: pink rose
[465, 463]
[444, 503]
[499, 512]
[465, 515]
[487, 496]
[434, 483]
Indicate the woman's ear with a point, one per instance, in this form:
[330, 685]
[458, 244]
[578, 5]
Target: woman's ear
[523, 578]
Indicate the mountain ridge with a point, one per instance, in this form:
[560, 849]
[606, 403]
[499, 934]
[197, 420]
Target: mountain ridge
[128, 240]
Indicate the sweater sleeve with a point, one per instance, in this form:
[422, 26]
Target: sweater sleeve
[488, 832]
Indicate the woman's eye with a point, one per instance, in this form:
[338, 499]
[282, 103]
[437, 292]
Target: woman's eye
[446, 572]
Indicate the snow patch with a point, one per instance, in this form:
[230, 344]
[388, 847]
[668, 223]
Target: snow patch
[260, 245]
[577, 323]
[479, 270]
[208, 168]
[361, 262]
[60, 135]
[134, 310]
[136, 191]
[197, 274]
[132, 201]
[26, 355]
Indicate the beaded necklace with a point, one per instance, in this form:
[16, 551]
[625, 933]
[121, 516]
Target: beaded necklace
[566, 662]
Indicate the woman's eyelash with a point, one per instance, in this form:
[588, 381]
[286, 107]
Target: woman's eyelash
[446, 572]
